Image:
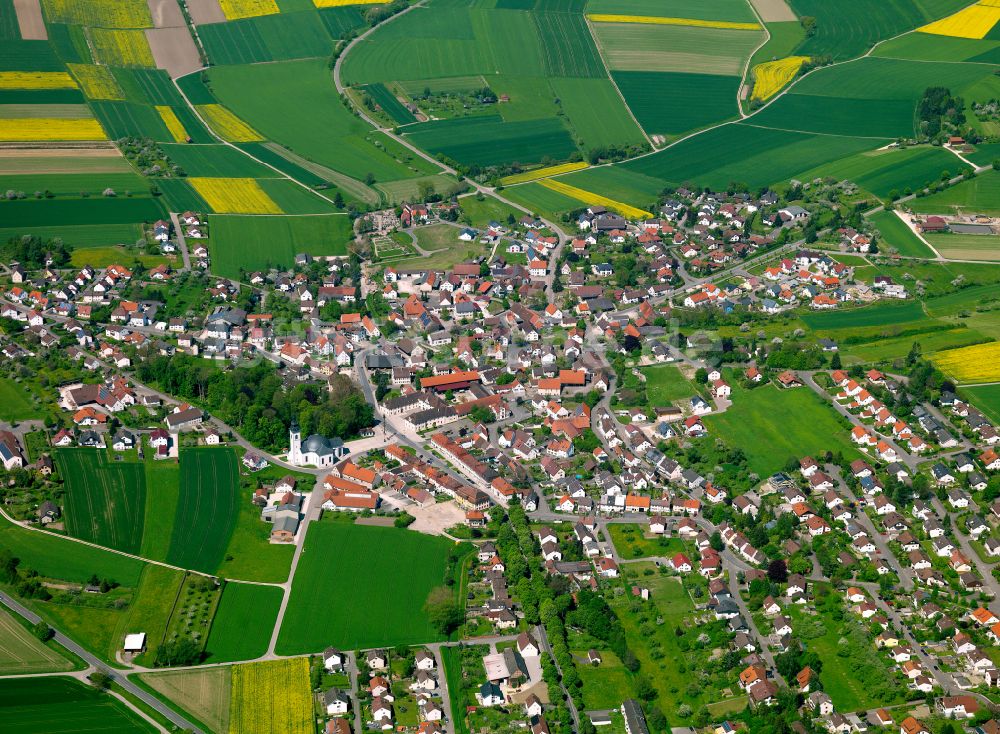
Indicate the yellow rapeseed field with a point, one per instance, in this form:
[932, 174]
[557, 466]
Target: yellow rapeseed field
[99, 13]
[273, 696]
[236, 9]
[97, 82]
[339, 3]
[174, 125]
[656, 20]
[121, 48]
[978, 363]
[974, 21]
[36, 80]
[50, 128]
[629, 212]
[543, 173]
[227, 125]
[770, 77]
[235, 196]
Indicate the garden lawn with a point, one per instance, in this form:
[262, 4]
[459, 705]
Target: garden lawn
[633, 541]
[606, 685]
[43, 705]
[666, 385]
[370, 584]
[773, 425]
[243, 622]
[250, 554]
[207, 509]
[149, 611]
[15, 403]
[490, 209]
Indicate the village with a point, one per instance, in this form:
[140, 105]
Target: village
[572, 389]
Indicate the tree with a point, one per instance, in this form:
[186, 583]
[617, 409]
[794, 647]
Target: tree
[701, 376]
[715, 541]
[182, 651]
[835, 361]
[42, 631]
[442, 611]
[100, 679]
[777, 571]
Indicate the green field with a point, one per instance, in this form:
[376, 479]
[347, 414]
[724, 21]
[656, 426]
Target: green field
[99, 256]
[378, 606]
[22, 653]
[105, 498]
[243, 623]
[665, 385]
[883, 172]
[162, 496]
[879, 314]
[986, 398]
[258, 242]
[845, 30]
[276, 37]
[979, 195]
[481, 213]
[409, 189]
[661, 101]
[966, 246]
[391, 106]
[544, 201]
[897, 235]
[206, 510]
[464, 140]
[295, 104]
[773, 425]
[56, 557]
[784, 39]
[898, 347]
[732, 10]
[15, 403]
[60, 704]
[596, 113]
[73, 185]
[219, 161]
[98, 209]
[79, 235]
[932, 47]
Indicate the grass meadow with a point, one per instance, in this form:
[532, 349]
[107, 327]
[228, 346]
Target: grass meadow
[375, 603]
[15, 403]
[665, 385]
[773, 424]
[898, 236]
[243, 622]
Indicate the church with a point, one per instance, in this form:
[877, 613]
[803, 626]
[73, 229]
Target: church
[315, 450]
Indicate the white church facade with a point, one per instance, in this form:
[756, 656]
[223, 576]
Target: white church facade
[314, 451]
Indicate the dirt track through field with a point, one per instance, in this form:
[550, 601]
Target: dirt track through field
[773, 11]
[205, 11]
[174, 50]
[29, 20]
[166, 13]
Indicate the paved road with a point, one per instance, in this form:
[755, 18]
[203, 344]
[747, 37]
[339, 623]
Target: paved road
[181, 242]
[119, 678]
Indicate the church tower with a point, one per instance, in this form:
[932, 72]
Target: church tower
[294, 443]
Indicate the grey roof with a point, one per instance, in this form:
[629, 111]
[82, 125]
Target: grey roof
[635, 720]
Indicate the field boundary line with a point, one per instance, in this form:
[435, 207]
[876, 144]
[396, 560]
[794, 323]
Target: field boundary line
[746, 69]
[607, 70]
[811, 132]
[133, 556]
[235, 147]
